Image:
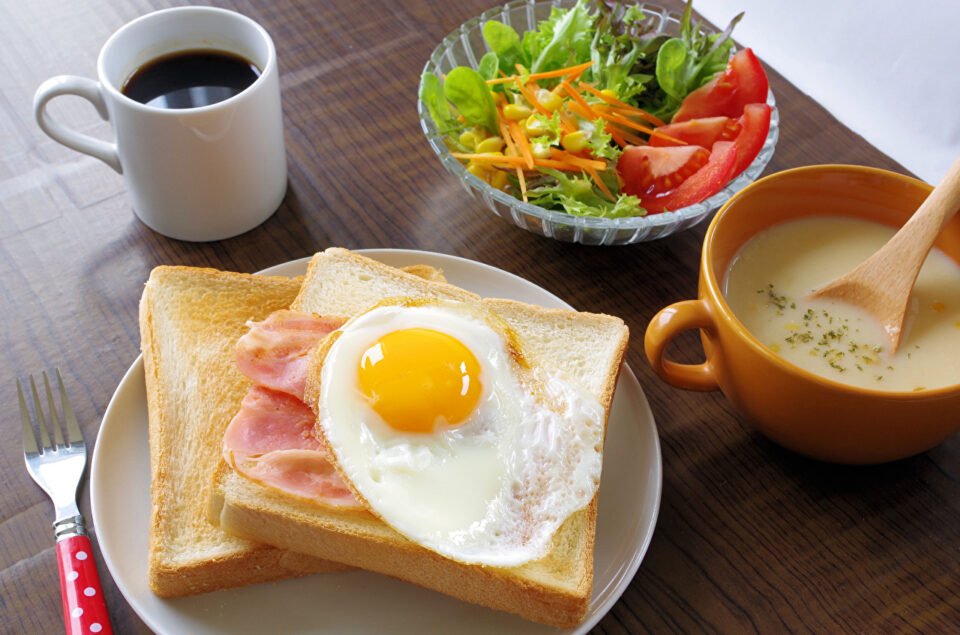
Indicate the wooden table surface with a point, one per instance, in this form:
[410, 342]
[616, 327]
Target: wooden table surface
[750, 537]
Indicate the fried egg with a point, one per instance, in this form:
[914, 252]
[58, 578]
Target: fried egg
[446, 432]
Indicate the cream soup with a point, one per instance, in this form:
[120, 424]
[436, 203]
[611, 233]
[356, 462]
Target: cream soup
[771, 276]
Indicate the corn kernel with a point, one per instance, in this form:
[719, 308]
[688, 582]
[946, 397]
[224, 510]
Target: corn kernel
[516, 112]
[533, 127]
[540, 150]
[608, 93]
[550, 101]
[468, 139]
[491, 144]
[499, 179]
[575, 141]
[478, 170]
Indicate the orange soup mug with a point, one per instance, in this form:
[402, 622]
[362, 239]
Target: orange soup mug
[806, 413]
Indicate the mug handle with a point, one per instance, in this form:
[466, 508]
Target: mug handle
[665, 326]
[89, 90]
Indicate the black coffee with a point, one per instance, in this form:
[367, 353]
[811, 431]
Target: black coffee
[190, 79]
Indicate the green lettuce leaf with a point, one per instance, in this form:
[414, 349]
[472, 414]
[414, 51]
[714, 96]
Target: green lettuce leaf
[579, 196]
[431, 94]
[488, 66]
[466, 89]
[503, 40]
[563, 39]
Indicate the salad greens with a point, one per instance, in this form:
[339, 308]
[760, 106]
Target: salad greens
[467, 90]
[686, 63]
[521, 105]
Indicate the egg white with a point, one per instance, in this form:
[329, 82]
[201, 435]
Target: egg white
[492, 490]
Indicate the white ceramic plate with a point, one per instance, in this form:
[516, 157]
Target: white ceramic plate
[358, 601]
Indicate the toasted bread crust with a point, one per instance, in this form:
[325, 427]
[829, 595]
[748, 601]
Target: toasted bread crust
[555, 590]
[196, 312]
[530, 591]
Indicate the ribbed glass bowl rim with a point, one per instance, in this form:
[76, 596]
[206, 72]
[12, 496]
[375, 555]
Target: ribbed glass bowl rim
[663, 219]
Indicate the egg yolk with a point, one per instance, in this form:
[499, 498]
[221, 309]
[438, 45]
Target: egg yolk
[416, 377]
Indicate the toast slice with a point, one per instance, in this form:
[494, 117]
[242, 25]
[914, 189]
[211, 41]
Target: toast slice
[190, 320]
[588, 348]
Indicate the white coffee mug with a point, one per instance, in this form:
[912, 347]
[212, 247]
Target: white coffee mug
[197, 174]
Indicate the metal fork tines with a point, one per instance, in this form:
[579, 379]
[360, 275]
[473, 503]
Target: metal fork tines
[57, 467]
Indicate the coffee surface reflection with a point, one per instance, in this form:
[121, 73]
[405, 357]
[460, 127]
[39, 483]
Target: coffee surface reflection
[190, 79]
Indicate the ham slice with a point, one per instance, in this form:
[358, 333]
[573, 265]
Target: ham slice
[305, 473]
[271, 441]
[274, 352]
[269, 420]
[271, 438]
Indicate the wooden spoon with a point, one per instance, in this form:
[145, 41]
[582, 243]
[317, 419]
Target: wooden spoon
[881, 284]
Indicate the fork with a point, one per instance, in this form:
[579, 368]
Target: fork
[58, 467]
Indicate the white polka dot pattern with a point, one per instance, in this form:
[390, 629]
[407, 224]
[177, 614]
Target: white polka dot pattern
[84, 607]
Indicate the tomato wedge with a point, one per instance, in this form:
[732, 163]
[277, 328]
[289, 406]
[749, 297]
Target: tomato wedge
[702, 184]
[748, 132]
[702, 132]
[754, 125]
[742, 82]
[646, 170]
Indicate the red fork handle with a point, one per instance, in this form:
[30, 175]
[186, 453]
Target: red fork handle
[84, 610]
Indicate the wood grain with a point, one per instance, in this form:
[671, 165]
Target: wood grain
[750, 537]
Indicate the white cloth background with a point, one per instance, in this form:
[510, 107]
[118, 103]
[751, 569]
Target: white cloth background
[889, 71]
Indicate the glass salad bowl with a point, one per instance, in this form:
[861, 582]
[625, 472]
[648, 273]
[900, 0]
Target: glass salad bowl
[465, 46]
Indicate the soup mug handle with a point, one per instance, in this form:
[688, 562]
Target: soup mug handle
[80, 87]
[666, 325]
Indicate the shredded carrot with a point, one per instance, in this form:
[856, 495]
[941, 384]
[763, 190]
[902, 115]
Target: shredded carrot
[634, 139]
[626, 112]
[654, 133]
[530, 94]
[558, 165]
[657, 133]
[512, 150]
[489, 158]
[532, 98]
[643, 114]
[624, 121]
[615, 133]
[625, 135]
[567, 86]
[603, 186]
[573, 76]
[521, 140]
[496, 160]
[570, 70]
[523, 185]
[568, 124]
[576, 108]
[574, 71]
[569, 78]
[578, 161]
[505, 134]
[529, 91]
